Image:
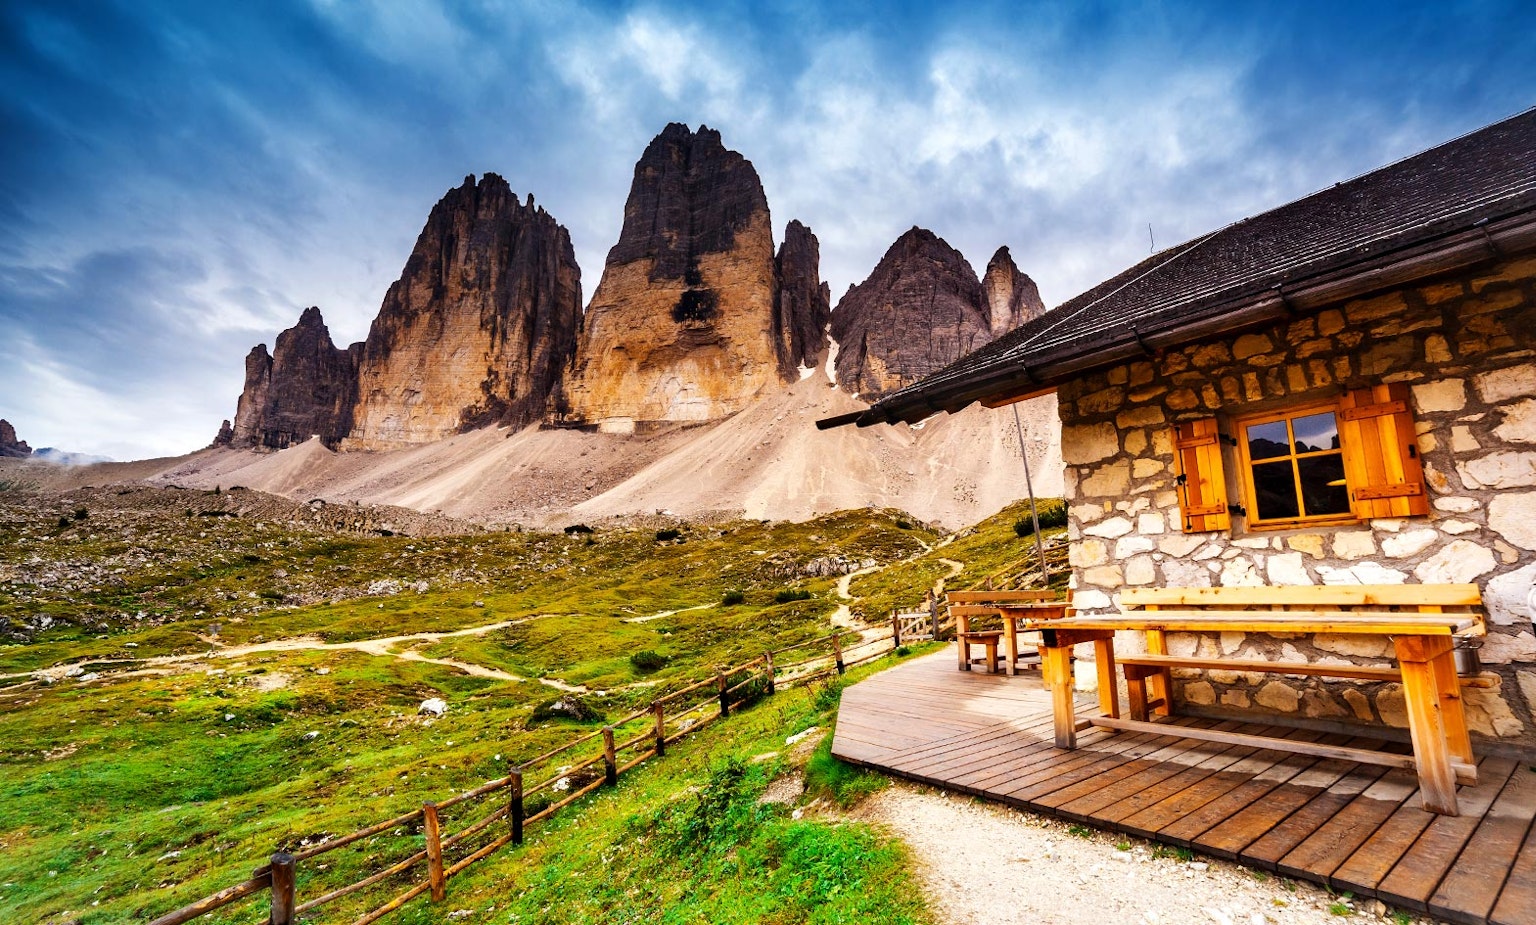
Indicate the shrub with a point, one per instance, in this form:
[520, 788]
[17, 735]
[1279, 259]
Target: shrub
[666, 536]
[81, 513]
[785, 595]
[574, 529]
[648, 660]
[903, 524]
[732, 598]
[63, 523]
[1052, 512]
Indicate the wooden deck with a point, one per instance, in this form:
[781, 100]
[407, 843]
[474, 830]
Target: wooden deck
[1349, 826]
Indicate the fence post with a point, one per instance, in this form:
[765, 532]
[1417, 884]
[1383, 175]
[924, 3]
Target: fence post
[837, 651]
[768, 661]
[434, 852]
[725, 698]
[660, 710]
[282, 889]
[515, 805]
[610, 760]
[895, 630]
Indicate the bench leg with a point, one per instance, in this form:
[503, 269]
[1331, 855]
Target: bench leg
[991, 654]
[1056, 665]
[963, 626]
[1162, 680]
[1426, 723]
[1109, 690]
[1136, 691]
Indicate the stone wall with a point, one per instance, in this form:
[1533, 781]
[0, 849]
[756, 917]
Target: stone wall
[1467, 347]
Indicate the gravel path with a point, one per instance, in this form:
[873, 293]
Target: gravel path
[983, 864]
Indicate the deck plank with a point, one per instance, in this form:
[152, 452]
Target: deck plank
[1334, 822]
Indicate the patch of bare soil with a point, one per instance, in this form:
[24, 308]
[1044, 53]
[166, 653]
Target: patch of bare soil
[982, 864]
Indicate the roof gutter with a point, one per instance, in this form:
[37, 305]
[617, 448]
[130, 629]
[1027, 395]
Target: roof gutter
[1482, 242]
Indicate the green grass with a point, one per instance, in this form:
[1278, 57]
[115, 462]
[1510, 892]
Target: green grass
[124, 798]
[989, 549]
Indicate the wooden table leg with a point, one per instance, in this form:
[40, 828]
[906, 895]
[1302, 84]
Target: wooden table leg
[1136, 691]
[1011, 631]
[963, 626]
[1109, 688]
[1452, 710]
[1426, 722]
[1162, 681]
[1056, 665]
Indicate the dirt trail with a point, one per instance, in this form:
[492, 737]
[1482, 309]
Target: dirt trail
[843, 616]
[383, 646]
[667, 613]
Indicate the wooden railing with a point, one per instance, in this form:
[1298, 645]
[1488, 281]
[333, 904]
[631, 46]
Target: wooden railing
[624, 744]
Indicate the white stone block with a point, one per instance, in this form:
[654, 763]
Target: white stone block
[1501, 648]
[1362, 573]
[1508, 597]
[1089, 443]
[1459, 562]
[1111, 528]
[1288, 569]
[1519, 423]
[1513, 514]
[1354, 544]
[1441, 395]
[1457, 505]
[1132, 545]
[1408, 543]
[1503, 384]
[1506, 469]
[1151, 523]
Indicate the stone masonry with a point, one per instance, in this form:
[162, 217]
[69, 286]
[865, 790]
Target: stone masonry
[1467, 346]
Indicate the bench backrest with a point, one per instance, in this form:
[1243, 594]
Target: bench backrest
[1317, 597]
[1002, 597]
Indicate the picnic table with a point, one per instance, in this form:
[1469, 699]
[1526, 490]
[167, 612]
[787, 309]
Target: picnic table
[1010, 608]
[1422, 638]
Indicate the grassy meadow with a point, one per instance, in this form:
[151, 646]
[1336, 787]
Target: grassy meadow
[159, 770]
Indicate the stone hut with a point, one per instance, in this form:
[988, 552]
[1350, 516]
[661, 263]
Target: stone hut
[1340, 390]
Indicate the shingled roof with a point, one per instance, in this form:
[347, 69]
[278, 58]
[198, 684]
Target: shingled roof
[1256, 269]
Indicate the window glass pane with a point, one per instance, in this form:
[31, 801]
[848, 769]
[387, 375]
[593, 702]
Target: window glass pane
[1322, 485]
[1266, 440]
[1274, 487]
[1316, 432]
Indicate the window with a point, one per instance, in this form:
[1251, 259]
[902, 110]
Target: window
[1326, 462]
[1292, 467]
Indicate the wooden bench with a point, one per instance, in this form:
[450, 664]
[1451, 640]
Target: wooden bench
[964, 606]
[1423, 622]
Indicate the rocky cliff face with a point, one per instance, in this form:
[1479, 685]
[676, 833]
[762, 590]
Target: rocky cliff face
[1012, 297]
[306, 387]
[683, 325]
[804, 304]
[479, 326]
[10, 447]
[920, 310]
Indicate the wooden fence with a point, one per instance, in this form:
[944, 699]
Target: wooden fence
[617, 748]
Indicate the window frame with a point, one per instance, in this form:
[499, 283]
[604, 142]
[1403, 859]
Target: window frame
[1287, 413]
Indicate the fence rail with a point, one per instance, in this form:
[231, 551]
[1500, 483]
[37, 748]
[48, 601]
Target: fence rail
[279, 877]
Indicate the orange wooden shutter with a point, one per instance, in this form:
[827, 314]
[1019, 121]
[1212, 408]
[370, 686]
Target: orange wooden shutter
[1202, 484]
[1381, 453]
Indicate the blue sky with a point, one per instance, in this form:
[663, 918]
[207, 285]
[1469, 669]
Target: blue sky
[179, 179]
